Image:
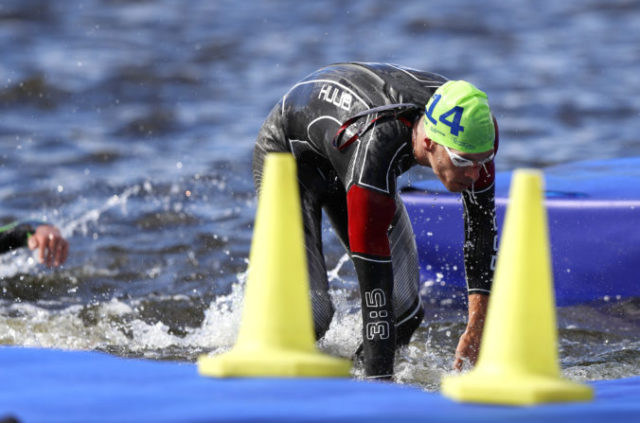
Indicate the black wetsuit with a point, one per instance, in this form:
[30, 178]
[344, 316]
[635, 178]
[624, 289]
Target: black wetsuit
[15, 235]
[349, 128]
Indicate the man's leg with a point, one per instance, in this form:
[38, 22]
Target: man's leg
[270, 139]
[406, 290]
[406, 298]
[322, 307]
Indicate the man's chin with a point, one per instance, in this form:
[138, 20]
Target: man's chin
[455, 187]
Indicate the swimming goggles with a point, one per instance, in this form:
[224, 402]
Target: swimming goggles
[459, 161]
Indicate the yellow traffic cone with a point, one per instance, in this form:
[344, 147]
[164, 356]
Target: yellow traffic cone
[518, 360]
[276, 334]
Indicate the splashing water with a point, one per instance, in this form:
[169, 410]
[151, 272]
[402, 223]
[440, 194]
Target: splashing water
[132, 132]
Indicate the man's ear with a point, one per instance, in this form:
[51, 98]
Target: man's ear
[428, 144]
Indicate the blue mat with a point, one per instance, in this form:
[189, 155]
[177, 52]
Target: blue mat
[593, 217]
[40, 385]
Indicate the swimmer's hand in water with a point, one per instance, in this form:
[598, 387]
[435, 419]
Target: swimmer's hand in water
[469, 344]
[53, 248]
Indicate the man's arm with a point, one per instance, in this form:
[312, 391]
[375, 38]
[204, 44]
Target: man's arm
[53, 248]
[469, 343]
[15, 235]
[370, 214]
[480, 252]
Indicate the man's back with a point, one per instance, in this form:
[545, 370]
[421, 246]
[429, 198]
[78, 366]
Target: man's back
[314, 109]
[325, 99]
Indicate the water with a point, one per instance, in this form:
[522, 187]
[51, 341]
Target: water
[130, 124]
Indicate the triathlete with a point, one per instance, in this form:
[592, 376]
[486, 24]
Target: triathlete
[53, 248]
[353, 128]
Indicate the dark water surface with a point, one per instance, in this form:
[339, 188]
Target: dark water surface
[130, 124]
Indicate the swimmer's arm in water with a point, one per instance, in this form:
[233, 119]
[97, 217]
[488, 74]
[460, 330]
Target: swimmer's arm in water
[469, 344]
[480, 252]
[53, 248]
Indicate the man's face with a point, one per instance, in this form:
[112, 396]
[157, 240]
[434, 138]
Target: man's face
[434, 155]
[456, 178]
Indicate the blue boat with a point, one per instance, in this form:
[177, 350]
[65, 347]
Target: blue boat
[593, 216]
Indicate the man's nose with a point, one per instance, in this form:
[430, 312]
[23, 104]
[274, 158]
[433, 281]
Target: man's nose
[473, 172]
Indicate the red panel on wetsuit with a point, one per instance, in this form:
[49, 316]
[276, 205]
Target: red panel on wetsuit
[370, 214]
[487, 178]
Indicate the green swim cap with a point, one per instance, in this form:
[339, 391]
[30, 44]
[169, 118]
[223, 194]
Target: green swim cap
[458, 116]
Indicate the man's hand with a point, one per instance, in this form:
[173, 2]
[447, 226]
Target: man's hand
[469, 344]
[53, 247]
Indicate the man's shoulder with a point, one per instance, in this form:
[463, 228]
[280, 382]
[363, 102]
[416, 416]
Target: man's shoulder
[385, 70]
[379, 83]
